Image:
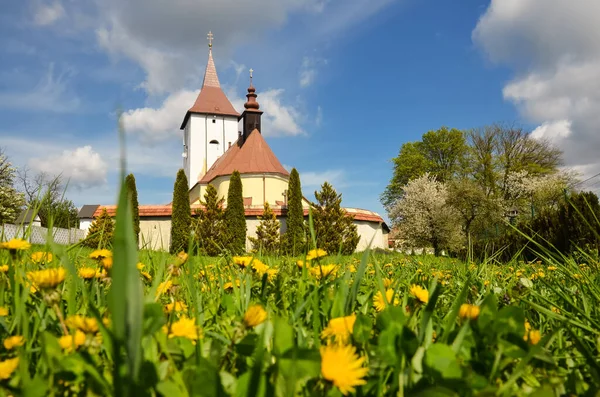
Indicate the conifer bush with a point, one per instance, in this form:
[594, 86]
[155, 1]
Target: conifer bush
[135, 205]
[334, 229]
[235, 216]
[267, 233]
[210, 230]
[181, 217]
[294, 239]
[100, 233]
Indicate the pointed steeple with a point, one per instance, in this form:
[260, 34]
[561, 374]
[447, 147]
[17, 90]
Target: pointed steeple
[211, 100]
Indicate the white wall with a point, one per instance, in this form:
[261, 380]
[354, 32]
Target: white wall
[85, 223]
[199, 131]
[368, 231]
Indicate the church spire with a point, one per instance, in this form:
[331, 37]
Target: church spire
[252, 112]
[210, 74]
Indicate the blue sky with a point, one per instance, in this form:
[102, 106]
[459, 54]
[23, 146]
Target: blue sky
[343, 83]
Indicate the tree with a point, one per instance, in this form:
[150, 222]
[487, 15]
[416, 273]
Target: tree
[181, 217]
[235, 216]
[100, 233]
[424, 218]
[441, 153]
[135, 205]
[294, 238]
[210, 231]
[11, 201]
[334, 228]
[267, 232]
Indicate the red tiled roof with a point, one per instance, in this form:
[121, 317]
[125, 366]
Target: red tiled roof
[165, 211]
[253, 157]
[212, 99]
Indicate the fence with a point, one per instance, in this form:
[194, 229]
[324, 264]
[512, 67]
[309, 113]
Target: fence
[39, 235]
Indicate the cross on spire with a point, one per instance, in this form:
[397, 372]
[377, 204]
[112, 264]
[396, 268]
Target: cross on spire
[209, 36]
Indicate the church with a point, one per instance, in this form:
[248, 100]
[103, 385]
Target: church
[218, 140]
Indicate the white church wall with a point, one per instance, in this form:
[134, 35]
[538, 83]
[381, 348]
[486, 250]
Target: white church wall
[367, 231]
[155, 233]
[196, 147]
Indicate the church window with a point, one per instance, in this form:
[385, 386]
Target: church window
[214, 121]
[214, 142]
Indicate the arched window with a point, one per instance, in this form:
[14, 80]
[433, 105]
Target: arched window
[214, 142]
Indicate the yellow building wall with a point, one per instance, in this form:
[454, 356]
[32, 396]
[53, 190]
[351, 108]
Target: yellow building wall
[155, 233]
[261, 187]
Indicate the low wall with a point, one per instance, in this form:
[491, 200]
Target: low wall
[39, 235]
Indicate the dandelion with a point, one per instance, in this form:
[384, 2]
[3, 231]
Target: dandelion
[71, 342]
[177, 306]
[272, 273]
[16, 244]
[255, 315]
[13, 341]
[184, 328]
[387, 282]
[107, 262]
[86, 273]
[343, 367]
[469, 311]
[100, 254]
[324, 271]
[316, 253]
[259, 267]
[89, 325]
[555, 310]
[532, 336]
[164, 287]
[182, 257]
[340, 329]
[379, 303]
[48, 278]
[552, 268]
[300, 263]
[41, 257]
[420, 293]
[4, 269]
[140, 266]
[3, 311]
[146, 276]
[243, 261]
[7, 367]
[486, 283]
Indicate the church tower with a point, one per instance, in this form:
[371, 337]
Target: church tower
[209, 127]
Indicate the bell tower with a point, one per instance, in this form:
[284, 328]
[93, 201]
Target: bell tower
[252, 113]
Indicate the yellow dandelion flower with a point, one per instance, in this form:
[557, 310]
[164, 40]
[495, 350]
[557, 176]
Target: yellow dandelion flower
[316, 253]
[352, 269]
[300, 263]
[255, 315]
[16, 244]
[146, 276]
[107, 262]
[101, 273]
[243, 261]
[7, 367]
[177, 306]
[343, 367]
[86, 273]
[469, 311]
[47, 278]
[4, 269]
[272, 273]
[555, 310]
[387, 282]
[259, 267]
[3, 311]
[340, 329]
[72, 342]
[13, 341]
[552, 268]
[164, 288]
[184, 328]
[99, 254]
[322, 271]
[420, 293]
[379, 303]
[140, 266]
[182, 257]
[89, 325]
[41, 257]
[533, 336]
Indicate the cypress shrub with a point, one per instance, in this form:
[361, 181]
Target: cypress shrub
[181, 217]
[135, 205]
[334, 229]
[267, 233]
[210, 231]
[235, 216]
[294, 238]
[100, 233]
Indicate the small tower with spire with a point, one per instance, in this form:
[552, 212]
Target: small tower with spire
[210, 126]
[252, 114]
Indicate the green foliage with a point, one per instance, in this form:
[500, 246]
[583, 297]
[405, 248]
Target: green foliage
[267, 237]
[210, 230]
[11, 201]
[294, 239]
[181, 217]
[135, 205]
[100, 233]
[235, 215]
[334, 227]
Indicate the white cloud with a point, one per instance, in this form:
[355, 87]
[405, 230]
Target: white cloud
[48, 14]
[82, 167]
[308, 72]
[279, 118]
[51, 94]
[553, 47]
[314, 179]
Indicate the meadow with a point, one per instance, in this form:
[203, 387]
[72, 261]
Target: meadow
[81, 322]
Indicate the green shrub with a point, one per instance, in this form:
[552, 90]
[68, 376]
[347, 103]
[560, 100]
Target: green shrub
[100, 233]
[235, 216]
[181, 217]
[267, 233]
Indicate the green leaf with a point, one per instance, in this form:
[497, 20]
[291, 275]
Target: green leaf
[440, 362]
[169, 389]
[203, 380]
[510, 319]
[363, 327]
[284, 336]
[154, 318]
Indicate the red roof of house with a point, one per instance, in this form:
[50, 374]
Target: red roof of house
[254, 156]
[212, 99]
